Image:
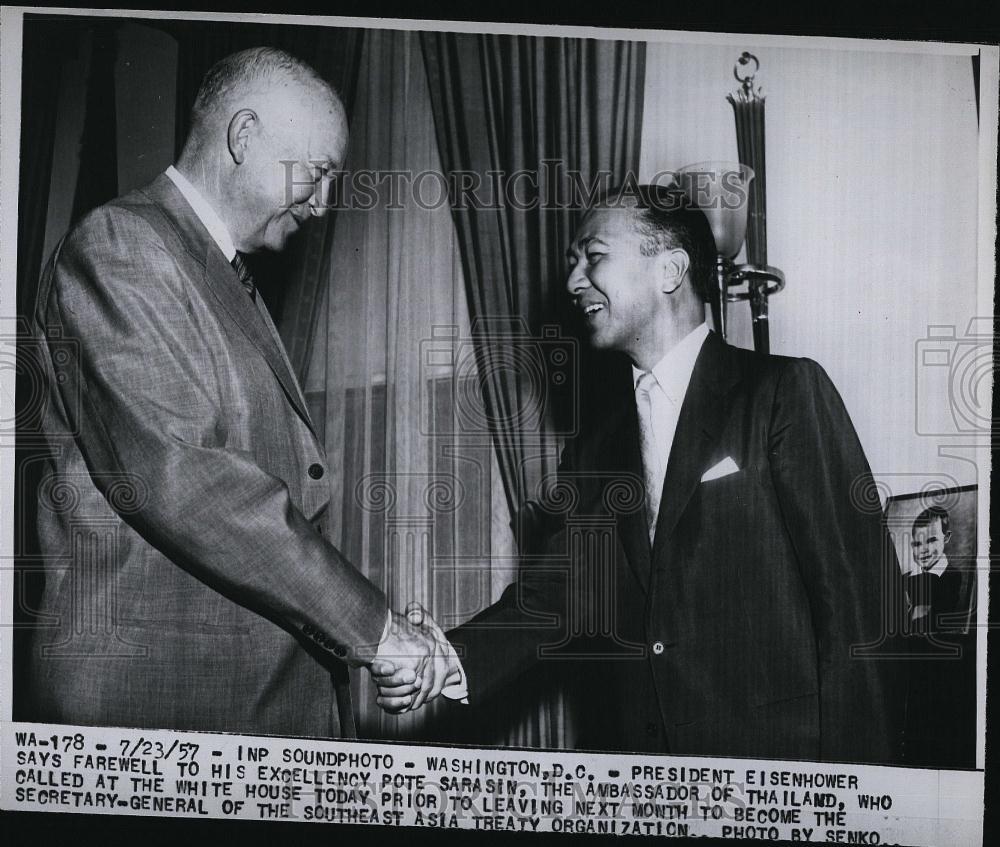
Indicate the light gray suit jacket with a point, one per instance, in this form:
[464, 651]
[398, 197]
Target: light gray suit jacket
[187, 580]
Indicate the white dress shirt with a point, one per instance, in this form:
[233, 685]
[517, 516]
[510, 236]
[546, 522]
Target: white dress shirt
[673, 374]
[939, 567]
[205, 213]
[666, 395]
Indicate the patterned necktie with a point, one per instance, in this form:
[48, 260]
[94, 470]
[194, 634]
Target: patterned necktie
[652, 470]
[246, 278]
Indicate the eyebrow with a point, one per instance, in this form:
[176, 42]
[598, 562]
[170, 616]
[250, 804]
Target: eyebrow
[582, 245]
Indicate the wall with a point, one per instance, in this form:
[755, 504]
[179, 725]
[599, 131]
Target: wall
[872, 215]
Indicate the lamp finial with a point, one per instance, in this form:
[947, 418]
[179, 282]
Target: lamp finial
[746, 79]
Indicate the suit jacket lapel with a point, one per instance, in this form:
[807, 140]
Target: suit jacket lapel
[703, 414]
[222, 280]
[225, 285]
[289, 370]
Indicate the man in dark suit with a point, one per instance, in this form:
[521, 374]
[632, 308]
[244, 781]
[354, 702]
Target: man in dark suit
[188, 582]
[713, 575]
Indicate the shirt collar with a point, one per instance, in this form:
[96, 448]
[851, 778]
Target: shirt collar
[673, 371]
[205, 213]
[940, 566]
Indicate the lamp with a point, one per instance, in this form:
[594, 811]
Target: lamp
[733, 198]
[721, 191]
[762, 279]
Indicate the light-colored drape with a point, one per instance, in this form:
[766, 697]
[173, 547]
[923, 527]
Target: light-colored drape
[417, 503]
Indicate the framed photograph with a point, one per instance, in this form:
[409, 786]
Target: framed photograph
[934, 533]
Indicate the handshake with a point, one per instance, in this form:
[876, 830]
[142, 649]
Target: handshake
[414, 663]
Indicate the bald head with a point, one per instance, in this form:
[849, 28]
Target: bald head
[267, 134]
[249, 75]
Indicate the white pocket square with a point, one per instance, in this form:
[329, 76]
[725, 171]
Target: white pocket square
[724, 468]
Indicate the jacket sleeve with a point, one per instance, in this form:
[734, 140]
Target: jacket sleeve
[824, 486]
[507, 639]
[148, 407]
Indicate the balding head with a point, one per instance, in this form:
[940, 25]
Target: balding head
[267, 133]
[249, 75]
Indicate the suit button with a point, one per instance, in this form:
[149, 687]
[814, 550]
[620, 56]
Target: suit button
[316, 471]
[657, 648]
[651, 728]
[339, 651]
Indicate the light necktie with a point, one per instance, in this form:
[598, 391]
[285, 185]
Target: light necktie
[246, 278]
[651, 468]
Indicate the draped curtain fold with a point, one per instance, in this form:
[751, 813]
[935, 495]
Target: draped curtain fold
[44, 51]
[412, 495]
[517, 105]
[50, 50]
[554, 118]
[98, 179]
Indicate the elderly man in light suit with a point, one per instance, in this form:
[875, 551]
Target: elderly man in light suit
[188, 583]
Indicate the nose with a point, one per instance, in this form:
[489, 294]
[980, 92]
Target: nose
[317, 210]
[319, 201]
[577, 280]
[317, 205]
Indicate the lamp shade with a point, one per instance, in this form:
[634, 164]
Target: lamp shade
[721, 191]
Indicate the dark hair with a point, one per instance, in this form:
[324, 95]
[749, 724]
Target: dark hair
[248, 66]
[928, 516]
[667, 219]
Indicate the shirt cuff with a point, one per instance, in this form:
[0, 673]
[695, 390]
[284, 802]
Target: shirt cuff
[458, 690]
[385, 632]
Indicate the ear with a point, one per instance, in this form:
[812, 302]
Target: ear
[240, 131]
[673, 266]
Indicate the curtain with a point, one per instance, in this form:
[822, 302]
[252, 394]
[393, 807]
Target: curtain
[289, 281]
[44, 47]
[568, 111]
[98, 179]
[392, 379]
[52, 50]
[43, 53]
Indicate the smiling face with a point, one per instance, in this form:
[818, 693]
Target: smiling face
[292, 147]
[620, 291]
[927, 543]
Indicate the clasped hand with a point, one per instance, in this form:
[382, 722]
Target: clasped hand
[414, 662]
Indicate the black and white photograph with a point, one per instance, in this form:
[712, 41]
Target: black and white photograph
[496, 426]
[934, 534]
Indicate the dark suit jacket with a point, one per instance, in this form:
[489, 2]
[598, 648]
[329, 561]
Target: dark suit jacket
[940, 726]
[187, 581]
[734, 635]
